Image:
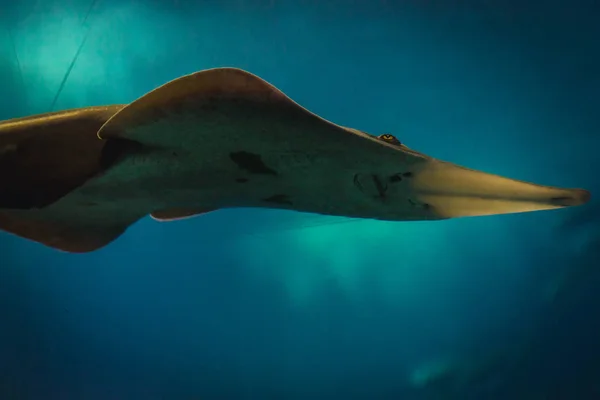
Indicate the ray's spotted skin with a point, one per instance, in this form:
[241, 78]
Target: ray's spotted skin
[76, 179]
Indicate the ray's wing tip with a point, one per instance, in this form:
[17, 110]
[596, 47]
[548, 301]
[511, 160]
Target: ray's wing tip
[576, 197]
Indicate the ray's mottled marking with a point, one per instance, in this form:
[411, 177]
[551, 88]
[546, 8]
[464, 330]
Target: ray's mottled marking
[223, 138]
[399, 177]
[251, 162]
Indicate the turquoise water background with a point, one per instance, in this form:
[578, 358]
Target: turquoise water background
[264, 304]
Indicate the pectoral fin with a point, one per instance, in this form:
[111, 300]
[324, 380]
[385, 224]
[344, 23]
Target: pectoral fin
[60, 235]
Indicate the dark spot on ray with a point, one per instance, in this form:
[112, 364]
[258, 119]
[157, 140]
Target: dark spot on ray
[241, 180]
[395, 178]
[381, 189]
[251, 162]
[278, 199]
[407, 174]
[425, 206]
[357, 182]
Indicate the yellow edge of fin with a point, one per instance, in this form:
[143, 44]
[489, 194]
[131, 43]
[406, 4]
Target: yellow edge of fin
[175, 214]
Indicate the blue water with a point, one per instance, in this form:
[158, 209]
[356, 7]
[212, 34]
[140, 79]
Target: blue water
[260, 304]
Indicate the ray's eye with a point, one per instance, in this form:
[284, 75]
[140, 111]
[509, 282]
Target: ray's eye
[386, 137]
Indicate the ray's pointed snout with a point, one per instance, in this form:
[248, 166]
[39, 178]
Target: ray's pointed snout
[454, 191]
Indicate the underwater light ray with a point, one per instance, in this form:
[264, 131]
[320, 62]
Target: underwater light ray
[313, 222]
[89, 11]
[74, 61]
[16, 54]
[66, 76]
